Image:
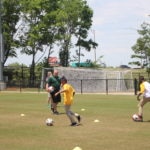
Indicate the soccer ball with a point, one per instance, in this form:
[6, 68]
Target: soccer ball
[135, 117]
[51, 88]
[49, 122]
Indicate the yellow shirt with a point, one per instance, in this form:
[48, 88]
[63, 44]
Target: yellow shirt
[68, 94]
[142, 88]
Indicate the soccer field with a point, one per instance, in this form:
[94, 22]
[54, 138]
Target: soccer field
[114, 131]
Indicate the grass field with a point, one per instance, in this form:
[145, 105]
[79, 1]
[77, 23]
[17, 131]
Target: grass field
[114, 131]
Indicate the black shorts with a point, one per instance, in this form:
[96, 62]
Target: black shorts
[56, 99]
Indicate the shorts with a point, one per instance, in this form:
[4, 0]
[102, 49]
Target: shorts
[144, 100]
[56, 99]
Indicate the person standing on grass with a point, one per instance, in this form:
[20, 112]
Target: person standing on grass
[145, 92]
[50, 100]
[68, 94]
[54, 81]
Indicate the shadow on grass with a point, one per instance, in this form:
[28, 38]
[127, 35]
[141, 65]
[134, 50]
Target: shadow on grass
[148, 121]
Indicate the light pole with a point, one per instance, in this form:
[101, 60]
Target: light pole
[2, 84]
[1, 45]
[93, 31]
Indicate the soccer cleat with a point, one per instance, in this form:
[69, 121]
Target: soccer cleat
[56, 112]
[52, 109]
[139, 119]
[74, 124]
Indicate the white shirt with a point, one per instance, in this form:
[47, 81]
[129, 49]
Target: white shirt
[147, 89]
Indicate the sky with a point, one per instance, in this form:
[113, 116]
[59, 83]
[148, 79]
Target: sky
[114, 28]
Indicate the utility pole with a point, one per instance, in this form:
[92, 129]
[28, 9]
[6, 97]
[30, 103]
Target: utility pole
[93, 31]
[2, 84]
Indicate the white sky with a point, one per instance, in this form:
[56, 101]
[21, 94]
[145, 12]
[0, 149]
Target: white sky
[115, 23]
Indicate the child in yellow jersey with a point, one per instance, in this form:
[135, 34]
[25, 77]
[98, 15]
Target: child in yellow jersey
[145, 92]
[68, 94]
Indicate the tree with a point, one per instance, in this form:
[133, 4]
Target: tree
[39, 18]
[43, 23]
[82, 33]
[48, 26]
[10, 17]
[74, 20]
[31, 39]
[142, 47]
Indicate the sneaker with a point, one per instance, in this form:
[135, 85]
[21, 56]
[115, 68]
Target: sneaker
[56, 112]
[74, 124]
[52, 109]
[139, 119]
[78, 118]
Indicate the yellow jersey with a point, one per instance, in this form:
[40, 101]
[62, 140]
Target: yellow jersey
[68, 94]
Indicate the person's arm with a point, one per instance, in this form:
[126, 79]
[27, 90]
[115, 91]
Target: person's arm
[138, 96]
[61, 91]
[46, 87]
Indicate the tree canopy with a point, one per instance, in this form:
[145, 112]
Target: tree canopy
[142, 47]
[33, 26]
[10, 13]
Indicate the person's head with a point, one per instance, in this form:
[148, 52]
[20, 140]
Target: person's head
[55, 73]
[49, 74]
[141, 79]
[63, 80]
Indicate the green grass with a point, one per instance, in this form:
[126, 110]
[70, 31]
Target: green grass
[115, 131]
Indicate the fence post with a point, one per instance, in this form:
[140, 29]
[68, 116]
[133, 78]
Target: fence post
[81, 86]
[135, 86]
[20, 85]
[107, 86]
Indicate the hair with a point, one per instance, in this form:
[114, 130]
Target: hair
[141, 79]
[63, 78]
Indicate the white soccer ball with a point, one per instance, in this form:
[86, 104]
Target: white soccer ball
[49, 122]
[77, 148]
[135, 117]
[51, 88]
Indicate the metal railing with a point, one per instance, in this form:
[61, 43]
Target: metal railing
[83, 85]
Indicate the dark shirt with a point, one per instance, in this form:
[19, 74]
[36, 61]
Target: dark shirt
[55, 82]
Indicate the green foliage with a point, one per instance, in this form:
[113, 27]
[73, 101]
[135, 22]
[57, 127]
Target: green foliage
[75, 19]
[142, 47]
[32, 25]
[16, 73]
[10, 16]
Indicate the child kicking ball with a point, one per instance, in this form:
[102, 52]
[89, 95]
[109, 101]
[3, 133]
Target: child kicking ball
[68, 95]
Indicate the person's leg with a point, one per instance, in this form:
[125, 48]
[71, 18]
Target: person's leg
[56, 100]
[70, 114]
[51, 103]
[141, 104]
[55, 108]
[48, 101]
